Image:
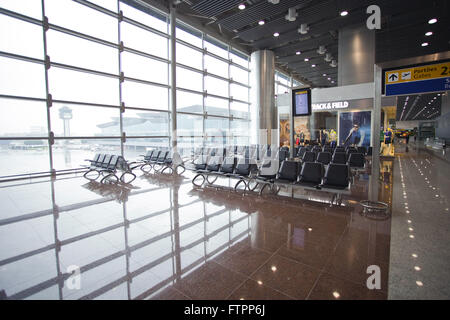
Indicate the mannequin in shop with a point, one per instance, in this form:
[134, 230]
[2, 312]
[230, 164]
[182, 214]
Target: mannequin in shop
[388, 140]
[332, 137]
[323, 137]
[301, 137]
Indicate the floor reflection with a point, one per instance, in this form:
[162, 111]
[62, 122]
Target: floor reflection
[162, 239]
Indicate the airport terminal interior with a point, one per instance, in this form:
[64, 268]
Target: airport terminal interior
[224, 150]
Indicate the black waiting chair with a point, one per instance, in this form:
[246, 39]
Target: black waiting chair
[309, 156]
[362, 150]
[337, 176]
[356, 160]
[324, 158]
[339, 157]
[287, 175]
[301, 151]
[311, 174]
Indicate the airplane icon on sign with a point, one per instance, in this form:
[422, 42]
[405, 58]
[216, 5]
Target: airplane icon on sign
[406, 75]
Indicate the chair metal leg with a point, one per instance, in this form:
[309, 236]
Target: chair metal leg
[85, 175]
[146, 168]
[214, 180]
[238, 183]
[195, 178]
[122, 177]
[110, 178]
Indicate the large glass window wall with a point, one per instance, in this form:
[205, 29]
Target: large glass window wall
[70, 89]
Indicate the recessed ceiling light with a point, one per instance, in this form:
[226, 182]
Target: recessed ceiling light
[344, 13]
[276, 34]
[329, 78]
[332, 81]
[431, 21]
[241, 6]
[306, 59]
[298, 52]
[424, 44]
[429, 33]
[261, 22]
[313, 65]
[324, 74]
[336, 294]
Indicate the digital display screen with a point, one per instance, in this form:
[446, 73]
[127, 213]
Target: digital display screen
[301, 102]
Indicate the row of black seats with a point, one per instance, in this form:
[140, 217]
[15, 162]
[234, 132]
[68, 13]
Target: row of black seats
[309, 174]
[108, 165]
[316, 149]
[161, 160]
[354, 160]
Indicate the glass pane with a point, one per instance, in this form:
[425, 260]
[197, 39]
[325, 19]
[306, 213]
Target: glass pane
[187, 145]
[189, 56]
[108, 4]
[216, 66]
[239, 92]
[68, 154]
[149, 18]
[239, 59]
[216, 106]
[281, 89]
[189, 79]
[70, 120]
[191, 37]
[21, 37]
[143, 40]
[239, 127]
[217, 48]
[82, 53]
[189, 125]
[145, 96]
[23, 156]
[84, 87]
[239, 75]
[216, 130]
[189, 102]
[68, 14]
[145, 123]
[133, 148]
[23, 118]
[31, 8]
[136, 66]
[21, 78]
[216, 86]
[239, 110]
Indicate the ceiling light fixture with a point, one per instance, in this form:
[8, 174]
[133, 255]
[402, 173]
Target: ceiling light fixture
[424, 44]
[303, 28]
[343, 13]
[306, 59]
[313, 65]
[241, 6]
[432, 21]
[298, 52]
[261, 22]
[429, 33]
[276, 34]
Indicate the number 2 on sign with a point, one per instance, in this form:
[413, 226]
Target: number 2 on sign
[445, 71]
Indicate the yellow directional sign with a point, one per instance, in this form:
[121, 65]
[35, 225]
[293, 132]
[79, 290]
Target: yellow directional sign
[431, 71]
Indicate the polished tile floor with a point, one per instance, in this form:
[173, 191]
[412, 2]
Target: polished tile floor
[164, 239]
[420, 254]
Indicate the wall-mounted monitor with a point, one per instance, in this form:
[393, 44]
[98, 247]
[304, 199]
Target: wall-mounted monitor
[301, 102]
